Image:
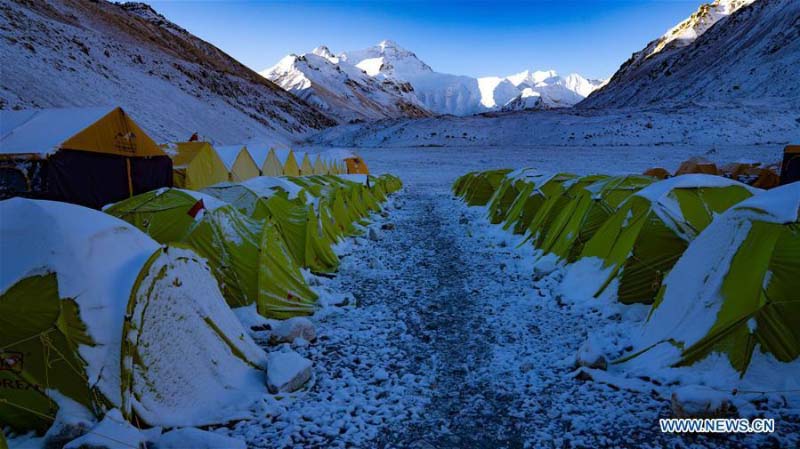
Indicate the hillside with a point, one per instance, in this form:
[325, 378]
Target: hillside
[739, 52]
[59, 53]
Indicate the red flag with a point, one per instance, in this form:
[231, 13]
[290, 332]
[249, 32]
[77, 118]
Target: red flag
[198, 206]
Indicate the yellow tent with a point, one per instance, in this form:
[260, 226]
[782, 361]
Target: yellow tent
[356, 166]
[320, 167]
[239, 163]
[87, 156]
[304, 163]
[196, 165]
[288, 162]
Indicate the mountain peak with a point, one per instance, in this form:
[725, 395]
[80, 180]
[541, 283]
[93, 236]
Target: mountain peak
[324, 52]
[387, 43]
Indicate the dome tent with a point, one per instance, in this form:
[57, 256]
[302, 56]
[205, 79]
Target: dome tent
[505, 196]
[284, 204]
[247, 256]
[642, 240]
[94, 311]
[478, 188]
[561, 193]
[289, 163]
[587, 207]
[734, 291]
[538, 200]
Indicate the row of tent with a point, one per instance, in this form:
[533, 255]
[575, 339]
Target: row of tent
[95, 156]
[197, 165]
[131, 308]
[634, 229]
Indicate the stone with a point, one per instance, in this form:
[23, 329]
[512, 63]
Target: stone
[697, 401]
[373, 235]
[287, 331]
[287, 371]
[387, 226]
[590, 356]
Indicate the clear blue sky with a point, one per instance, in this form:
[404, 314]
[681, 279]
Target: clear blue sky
[477, 38]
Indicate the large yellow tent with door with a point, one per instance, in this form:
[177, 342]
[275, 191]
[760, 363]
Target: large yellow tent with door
[288, 162]
[239, 163]
[88, 156]
[196, 165]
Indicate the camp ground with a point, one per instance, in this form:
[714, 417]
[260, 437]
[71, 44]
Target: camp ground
[88, 156]
[238, 162]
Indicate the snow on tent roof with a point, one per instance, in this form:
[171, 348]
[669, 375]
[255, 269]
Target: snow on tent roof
[97, 259]
[265, 186]
[359, 179]
[228, 154]
[259, 153]
[708, 277]
[43, 131]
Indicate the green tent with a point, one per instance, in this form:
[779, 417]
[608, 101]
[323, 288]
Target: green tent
[536, 203]
[94, 312]
[583, 208]
[555, 195]
[642, 240]
[735, 289]
[248, 256]
[505, 196]
[479, 188]
[284, 204]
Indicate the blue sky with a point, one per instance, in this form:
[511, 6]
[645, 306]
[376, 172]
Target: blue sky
[476, 38]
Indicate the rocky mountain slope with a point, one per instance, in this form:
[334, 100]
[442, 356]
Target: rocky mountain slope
[388, 81]
[343, 90]
[728, 52]
[58, 53]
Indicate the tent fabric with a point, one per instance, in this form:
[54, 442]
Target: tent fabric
[247, 256]
[320, 167]
[642, 240]
[81, 278]
[657, 172]
[238, 162]
[305, 167]
[583, 208]
[477, 189]
[697, 165]
[734, 291]
[89, 156]
[197, 165]
[289, 164]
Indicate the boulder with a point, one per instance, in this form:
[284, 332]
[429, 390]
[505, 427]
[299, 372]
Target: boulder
[697, 401]
[590, 356]
[387, 226]
[287, 371]
[287, 331]
[113, 432]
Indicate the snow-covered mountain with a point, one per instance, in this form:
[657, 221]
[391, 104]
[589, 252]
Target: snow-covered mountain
[330, 80]
[342, 90]
[60, 53]
[728, 51]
